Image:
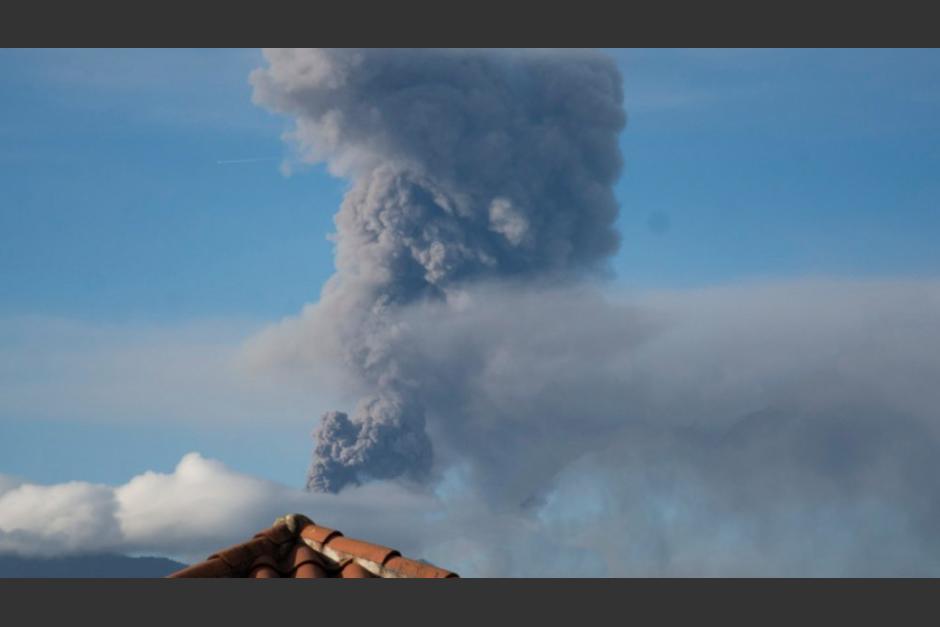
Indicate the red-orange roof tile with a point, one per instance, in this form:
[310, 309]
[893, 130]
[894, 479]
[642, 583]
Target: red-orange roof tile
[365, 550]
[352, 570]
[404, 567]
[264, 572]
[319, 534]
[296, 547]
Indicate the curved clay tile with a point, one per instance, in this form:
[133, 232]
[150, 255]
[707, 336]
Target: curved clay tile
[318, 534]
[374, 553]
[353, 570]
[295, 546]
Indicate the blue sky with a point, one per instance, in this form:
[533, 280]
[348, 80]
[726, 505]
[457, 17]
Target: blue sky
[115, 210]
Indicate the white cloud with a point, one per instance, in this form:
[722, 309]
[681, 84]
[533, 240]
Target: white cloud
[200, 507]
[66, 518]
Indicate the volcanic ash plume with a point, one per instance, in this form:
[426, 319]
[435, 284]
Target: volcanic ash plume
[465, 165]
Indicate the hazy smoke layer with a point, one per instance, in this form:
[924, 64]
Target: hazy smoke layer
[465, 165]
[786, 429]
[770, 429]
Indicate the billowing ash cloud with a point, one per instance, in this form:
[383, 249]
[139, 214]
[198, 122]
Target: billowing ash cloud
[773, 429]
[784, 428]
[465, 166]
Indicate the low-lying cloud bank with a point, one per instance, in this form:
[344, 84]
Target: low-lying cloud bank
[776, 429]
[189, 513]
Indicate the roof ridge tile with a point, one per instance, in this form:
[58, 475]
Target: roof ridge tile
[296, 546]
[318, 534]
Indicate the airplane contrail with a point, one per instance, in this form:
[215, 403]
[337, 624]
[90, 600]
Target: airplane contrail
[256, 160]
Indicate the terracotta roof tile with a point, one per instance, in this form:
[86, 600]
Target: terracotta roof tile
[278, 533]
[310, 570]
[365, 550]
[302, 554]
[352, 570]
[264, 572]
[294, 546]
[404, 567]
[241, 556]
[265, 560]
[319, 534]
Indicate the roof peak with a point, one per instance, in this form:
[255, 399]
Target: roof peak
[295, 546]
[294, 522]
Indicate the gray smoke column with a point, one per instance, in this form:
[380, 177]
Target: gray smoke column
[465, 166]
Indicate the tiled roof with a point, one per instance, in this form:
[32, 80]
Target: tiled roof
[297, 547]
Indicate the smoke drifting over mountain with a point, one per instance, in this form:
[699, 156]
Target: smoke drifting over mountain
[465, 166]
